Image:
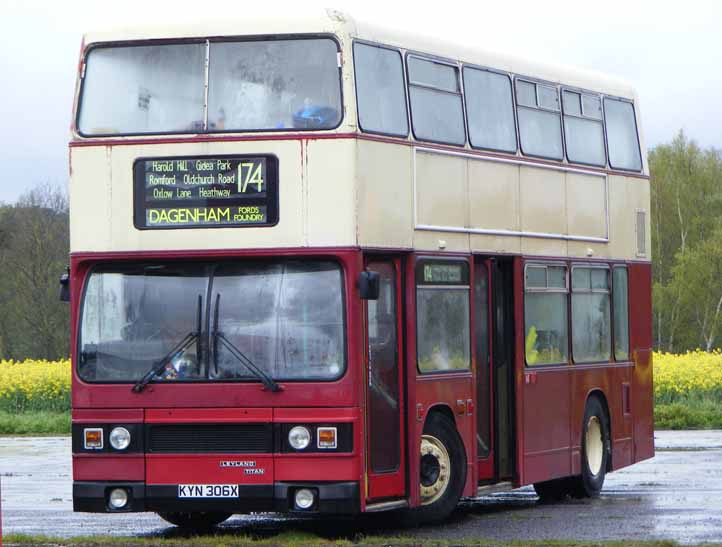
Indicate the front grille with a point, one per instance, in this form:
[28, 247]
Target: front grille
[236, 438]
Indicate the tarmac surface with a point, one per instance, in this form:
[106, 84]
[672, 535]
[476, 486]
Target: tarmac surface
[677, 495]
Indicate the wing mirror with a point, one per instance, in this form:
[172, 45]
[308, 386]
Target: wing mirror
[368, 285]
[65, 287]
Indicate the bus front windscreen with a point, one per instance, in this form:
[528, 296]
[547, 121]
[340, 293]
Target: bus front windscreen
[213, 322]
[258, 85]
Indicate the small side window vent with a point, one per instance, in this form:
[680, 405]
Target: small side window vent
[641, 233]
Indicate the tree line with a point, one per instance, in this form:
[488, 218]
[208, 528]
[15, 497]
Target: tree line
[34, 244]
[686, 218]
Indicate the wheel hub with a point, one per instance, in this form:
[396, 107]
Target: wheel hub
[435, 469]
[594, 445]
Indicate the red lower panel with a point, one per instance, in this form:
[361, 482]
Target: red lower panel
[209, 469]
[104, 467]
[317, 468]
[485, 468]
[622, 455]
[541, 466]
[101, 416]
[207, 415]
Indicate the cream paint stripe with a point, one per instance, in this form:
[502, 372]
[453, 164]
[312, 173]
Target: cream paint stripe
[512, 233]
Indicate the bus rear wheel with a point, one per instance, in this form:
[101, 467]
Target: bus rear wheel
[195, 520]
[554, 490]
[595, 450]
[442, 470]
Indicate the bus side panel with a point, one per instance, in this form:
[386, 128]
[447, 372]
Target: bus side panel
[608, 382]
[642, 391]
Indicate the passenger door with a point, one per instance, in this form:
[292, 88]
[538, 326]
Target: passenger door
[494, 347]
[385, 402]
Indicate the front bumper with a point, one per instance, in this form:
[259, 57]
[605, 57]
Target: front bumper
[332, 497]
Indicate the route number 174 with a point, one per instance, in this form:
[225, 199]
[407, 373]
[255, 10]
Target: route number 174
[250, 173]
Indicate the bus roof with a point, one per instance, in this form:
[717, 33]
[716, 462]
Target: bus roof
[345, 26]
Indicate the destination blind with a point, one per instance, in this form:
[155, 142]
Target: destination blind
[205, 192]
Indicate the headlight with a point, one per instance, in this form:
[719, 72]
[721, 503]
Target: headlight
[299, 437]
[119, 438]
[118, 498]
[304, 498]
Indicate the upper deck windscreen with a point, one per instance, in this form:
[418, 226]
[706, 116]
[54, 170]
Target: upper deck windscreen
[260, 85]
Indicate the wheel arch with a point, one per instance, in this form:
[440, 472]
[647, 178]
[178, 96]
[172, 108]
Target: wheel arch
[444, 410]
[599, 394]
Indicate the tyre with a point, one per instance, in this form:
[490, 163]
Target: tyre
[196, 520]
[554, 490]
[596, 446]
[442, 470]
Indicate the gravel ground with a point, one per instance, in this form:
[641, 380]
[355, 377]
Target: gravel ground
[677, 496]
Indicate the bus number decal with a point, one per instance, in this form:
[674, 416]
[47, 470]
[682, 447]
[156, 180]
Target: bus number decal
[253, 176]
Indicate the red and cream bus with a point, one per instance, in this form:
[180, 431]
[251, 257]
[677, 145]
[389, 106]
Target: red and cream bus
[319, 266]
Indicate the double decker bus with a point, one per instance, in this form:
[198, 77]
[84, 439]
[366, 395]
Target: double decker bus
[319, 266]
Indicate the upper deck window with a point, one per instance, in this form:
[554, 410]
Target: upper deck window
[622, 135]
[539, 124]
[276, 84]
[435, 96]
[583, 129]
[490, 110]
[143, 89]
[260, 85]
[380, 90]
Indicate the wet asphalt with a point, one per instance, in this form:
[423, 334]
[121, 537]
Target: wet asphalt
[675, 496]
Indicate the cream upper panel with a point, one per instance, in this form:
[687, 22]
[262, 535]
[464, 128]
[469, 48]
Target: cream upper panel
[431, 199]
[316, 200]
[355, 192]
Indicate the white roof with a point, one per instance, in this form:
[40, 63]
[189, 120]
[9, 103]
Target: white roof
[344, 26]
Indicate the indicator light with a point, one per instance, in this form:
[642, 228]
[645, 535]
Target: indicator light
[93, 438]
[326, 437]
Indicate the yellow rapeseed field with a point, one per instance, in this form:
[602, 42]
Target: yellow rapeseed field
[34, 385]
[696, 375]
[45, 385]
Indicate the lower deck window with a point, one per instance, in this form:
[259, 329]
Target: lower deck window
[442, 316]
[545, 314]
[592, 337]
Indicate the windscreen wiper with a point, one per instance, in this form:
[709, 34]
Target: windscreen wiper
[267, 381]
[178, 349]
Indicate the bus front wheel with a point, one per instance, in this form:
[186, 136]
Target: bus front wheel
[195, 520]
[442, 470]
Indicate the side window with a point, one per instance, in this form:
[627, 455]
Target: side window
[489, 110]
[591, 331]
[545, 314]
[583, 129]
[620, 289]
[435, 97]
[442, 316]
[540, 129]
[380, 90]
[622, 135]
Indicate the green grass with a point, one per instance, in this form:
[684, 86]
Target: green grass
[297, 539]
[691, 414]
[35, 423]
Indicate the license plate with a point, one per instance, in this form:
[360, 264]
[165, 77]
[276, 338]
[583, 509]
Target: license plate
[208, 491]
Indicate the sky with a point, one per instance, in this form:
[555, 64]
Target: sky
[671, 52]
